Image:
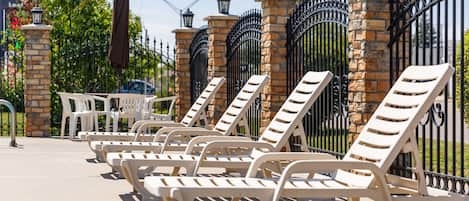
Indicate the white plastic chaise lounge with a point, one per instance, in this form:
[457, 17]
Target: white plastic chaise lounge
[234, 115]
[176, 139]
[195, 114]
[287, 122]
[361, 173]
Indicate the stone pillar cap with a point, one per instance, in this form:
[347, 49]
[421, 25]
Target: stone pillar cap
[40, 27]
[221, 17]
[187, 30]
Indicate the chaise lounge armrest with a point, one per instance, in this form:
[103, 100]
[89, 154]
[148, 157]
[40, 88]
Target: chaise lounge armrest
[212, 139]
[163, 133]
[146, 124]
[308, 166]
[186, 135]
[238, 142]
[284, 156]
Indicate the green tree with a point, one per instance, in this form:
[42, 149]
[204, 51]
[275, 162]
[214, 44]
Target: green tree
[80, 40]
[466, 75]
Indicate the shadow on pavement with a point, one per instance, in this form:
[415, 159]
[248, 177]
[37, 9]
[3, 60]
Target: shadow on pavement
[111, 176]
[130, 197]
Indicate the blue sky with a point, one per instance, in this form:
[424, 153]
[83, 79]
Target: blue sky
[160, 19]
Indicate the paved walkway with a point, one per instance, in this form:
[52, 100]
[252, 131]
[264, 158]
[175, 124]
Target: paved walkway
[55, 170]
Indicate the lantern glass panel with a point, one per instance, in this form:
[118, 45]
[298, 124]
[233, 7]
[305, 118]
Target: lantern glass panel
[36, 13]
[224, 6]
[188, 18]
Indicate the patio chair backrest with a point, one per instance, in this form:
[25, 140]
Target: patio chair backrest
[241, 103]
[294, 108]
[394, 121]
[82, 102]
[129, 104]
[198, 108]
[66, 105]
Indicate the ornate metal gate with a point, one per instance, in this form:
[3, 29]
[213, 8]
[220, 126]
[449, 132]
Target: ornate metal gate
[244, 59]
[317, 41]
[426, 32]
[199, 63]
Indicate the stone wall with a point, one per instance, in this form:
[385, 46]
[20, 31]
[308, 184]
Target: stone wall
[183, 77]
[37, 80]
[218, 28]
[275, 15]
[369, 59]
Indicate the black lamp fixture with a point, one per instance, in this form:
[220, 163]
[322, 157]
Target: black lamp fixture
[36, 13]
[188, 18]
[224, 6]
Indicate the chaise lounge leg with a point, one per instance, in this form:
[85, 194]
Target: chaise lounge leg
[175, 171]
[167, 199]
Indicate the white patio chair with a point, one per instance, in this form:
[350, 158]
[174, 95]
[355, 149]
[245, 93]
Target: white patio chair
[287, 122]
[128, 107]
[82, 111]
[105, 112]
[176, 139]
[361, 173]
[148, 113]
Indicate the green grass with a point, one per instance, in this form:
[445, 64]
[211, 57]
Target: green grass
[434, 160]
[5, 122]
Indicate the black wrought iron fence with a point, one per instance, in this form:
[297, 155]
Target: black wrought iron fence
[317, 41]
[244, 60]
[82, 66]
[11, 80]
[199, 63]
[425, 32]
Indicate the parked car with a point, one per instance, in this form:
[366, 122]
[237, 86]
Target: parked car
[137, 87]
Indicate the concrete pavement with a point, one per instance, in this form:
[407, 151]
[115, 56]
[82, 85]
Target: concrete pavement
[53, 170]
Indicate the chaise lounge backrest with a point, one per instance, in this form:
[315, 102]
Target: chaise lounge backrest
[241, 104]
[395, 120]
[295, 107]
[198, 108]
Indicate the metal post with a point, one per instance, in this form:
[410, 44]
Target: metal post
[12, 121]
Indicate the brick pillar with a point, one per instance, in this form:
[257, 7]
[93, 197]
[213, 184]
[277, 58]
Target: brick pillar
[369, 59]
[275, 15]
[37, 80]
[183, 73]
[218, 28]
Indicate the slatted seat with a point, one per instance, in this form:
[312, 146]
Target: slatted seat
[361, 173]
[274, 138]
[226, 125]
[195, 114]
